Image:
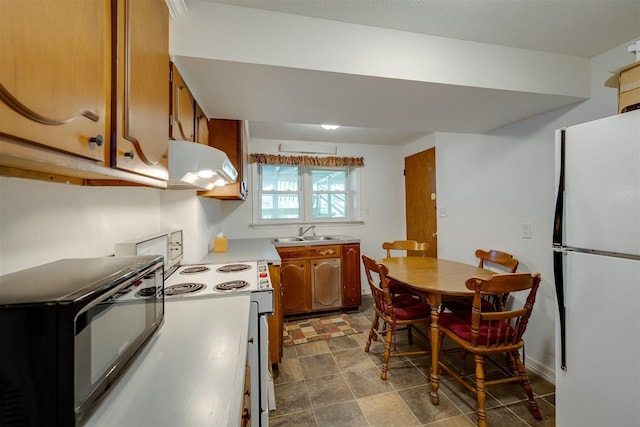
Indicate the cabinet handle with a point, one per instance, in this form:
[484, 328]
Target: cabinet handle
[17, 106]
[130, 154]
[98, 140]
[250, 340]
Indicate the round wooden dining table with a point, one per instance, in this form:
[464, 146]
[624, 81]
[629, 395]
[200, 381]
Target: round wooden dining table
[433, 278]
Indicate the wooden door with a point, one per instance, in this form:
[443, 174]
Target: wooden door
[420, 189]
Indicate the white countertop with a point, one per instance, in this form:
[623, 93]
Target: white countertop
[190, 374]
[244, 250]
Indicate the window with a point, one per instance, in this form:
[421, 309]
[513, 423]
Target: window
[294, 194]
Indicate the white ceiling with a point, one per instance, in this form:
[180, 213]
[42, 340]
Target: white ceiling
[583, 28]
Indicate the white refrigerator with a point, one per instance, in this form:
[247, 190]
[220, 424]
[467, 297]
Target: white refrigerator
[596, 254]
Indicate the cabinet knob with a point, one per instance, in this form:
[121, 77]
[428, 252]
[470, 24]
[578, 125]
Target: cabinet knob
[98, 140]
[129, 154]
[250, 340]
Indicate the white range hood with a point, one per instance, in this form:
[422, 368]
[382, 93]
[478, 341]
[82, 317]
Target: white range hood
[198, 166]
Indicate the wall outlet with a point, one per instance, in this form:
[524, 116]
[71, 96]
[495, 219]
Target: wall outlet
[442, 211]
[525, 230]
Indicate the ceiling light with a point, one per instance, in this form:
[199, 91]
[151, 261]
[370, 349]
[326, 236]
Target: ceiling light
[330, 127]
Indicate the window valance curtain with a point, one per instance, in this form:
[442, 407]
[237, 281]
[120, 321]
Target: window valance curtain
[274, 159]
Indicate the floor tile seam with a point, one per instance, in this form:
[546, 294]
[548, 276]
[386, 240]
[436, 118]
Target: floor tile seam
[345, 381]
[516, 415]
[381, 394]
[315, 417]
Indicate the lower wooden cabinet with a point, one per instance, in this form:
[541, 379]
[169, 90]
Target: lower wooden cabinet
[245, 417]
[319, 277]
[295, 287]
[275, 321]
[351, 285]
[325, 284]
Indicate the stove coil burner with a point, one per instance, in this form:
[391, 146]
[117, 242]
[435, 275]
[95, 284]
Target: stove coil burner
[194, 270]
[232, 285]
[146, 292]
[184, 288]
[233, 268]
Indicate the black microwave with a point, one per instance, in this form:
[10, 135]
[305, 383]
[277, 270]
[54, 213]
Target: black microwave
[68, 329]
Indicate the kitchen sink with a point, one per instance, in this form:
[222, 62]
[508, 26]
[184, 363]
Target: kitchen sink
[288, 239]
[298, 239]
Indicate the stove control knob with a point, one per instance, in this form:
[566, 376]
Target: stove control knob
[263, 275]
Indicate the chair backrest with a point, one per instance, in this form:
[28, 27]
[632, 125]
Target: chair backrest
[406, 245]
[497, 257]
[379, 288]
[501, 328]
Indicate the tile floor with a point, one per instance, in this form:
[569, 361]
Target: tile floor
[335, 383]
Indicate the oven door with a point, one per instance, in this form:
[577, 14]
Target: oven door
[258, 354]
[111, 330]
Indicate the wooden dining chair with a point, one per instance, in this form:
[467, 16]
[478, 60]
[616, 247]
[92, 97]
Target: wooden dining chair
[407, 247]
[487, 259]
[489, 333]
[393, 312]
[418, 249]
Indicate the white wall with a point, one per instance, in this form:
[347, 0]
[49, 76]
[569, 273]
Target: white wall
[382, 191]
[42, 222]
[492, 183]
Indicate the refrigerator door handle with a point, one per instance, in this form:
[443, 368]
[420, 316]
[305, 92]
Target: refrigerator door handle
[558, 253]
[558, 275]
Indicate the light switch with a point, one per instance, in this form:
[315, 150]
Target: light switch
[525, 230]
[442, 211]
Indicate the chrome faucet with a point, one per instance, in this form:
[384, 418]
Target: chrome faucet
[301, 230]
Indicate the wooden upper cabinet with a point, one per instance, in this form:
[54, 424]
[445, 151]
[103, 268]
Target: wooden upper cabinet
[230, 137]
[182, 121]
[202, 126]
[55, 75]
[142, 44]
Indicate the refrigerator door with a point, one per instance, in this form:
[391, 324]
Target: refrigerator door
[602, 185]
[601, 386]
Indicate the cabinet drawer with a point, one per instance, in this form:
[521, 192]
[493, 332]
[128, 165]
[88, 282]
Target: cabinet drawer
[316, 251]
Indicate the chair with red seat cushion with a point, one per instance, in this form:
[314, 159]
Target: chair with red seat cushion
[408, 247]
[393, 312]
[485, 333]
[504, 262]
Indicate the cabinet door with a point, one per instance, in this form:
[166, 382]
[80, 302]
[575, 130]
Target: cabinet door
[351, 285]
[202, 127]
[295, 294]
[326, 291]
[230, 137]
[141, 89]
[275, 321]
[182, 109]
[55, 74]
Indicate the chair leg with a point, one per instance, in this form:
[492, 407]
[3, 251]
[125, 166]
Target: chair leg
[463, 360]
[481, 393]
[387, 352]
[372, 332]
[410, 334]
[524, 381]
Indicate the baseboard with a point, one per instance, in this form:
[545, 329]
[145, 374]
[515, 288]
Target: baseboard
[541, 370]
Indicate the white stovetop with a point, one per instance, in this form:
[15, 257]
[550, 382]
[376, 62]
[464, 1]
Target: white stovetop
[190, 374]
